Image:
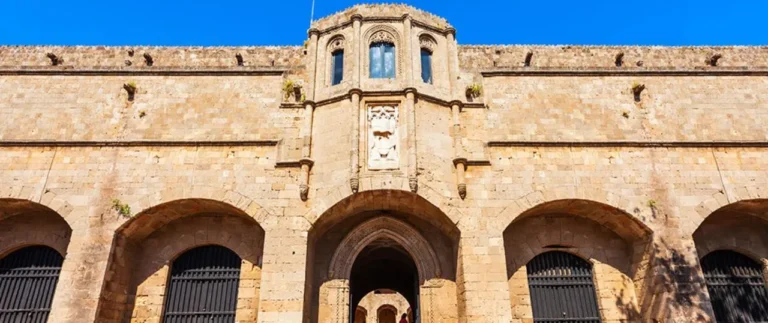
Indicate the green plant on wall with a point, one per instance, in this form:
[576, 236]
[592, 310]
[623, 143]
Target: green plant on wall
[121, 208]
[474, 90]
[292, 88]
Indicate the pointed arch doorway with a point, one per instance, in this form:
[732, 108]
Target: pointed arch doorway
[403, 244]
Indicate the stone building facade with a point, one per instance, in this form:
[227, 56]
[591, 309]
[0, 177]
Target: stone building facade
[382, 154]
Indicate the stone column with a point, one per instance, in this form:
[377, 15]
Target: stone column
[306, 149]
[82, 275]
[312, 63]
[283, 274]
[357, 20]
[407, 56]
[354, 144]
[673, 289]
[453, 63]
[410, 106]
[459, 160]
[484, 287]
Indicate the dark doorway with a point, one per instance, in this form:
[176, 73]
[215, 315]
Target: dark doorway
[383, 264]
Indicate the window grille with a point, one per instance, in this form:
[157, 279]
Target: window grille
[338, 67]
[203, 286]
[736, 287]
[426, 66]
[382, 63]
[562, 289]
[28, 280]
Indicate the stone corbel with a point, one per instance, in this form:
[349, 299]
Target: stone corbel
[306, 149]
[461, 167]
[354, 176]
[306, 166]
[410, 102]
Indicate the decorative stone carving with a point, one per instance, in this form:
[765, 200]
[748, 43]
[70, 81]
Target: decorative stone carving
[383, 138]
[428, 43]
[382, 37]
[336, 43]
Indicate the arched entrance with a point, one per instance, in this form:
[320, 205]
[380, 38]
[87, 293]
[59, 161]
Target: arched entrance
[144, 259]
[733, 248]
[558, 247]
[33, 243]
[403, 244]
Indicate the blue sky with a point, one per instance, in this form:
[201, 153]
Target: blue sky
[269, 22]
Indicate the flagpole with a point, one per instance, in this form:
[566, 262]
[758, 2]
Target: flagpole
[312, 13]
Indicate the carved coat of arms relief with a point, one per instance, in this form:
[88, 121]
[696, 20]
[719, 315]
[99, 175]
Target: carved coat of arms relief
[383, 138]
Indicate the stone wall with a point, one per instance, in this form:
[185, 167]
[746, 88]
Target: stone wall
[557, 153]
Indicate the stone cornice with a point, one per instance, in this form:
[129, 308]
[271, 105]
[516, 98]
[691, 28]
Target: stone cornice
[138, 143]
[632, 144]
[602, 71]
[156, 71]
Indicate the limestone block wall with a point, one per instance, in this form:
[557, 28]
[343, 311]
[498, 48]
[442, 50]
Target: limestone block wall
[650, 185]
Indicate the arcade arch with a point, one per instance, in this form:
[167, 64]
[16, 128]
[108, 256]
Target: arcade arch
[145, 247]
[733, 250]
[614, 243]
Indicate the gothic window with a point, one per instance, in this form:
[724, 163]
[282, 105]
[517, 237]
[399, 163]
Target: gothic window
[382, 60]
[562, 288]
[203, 286]
[426, 65]
[27, 282]
[337, 67]
[736, 287]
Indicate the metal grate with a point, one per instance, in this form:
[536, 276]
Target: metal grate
[28, 279]
[736, 287]
[203, 286]
[562, 289]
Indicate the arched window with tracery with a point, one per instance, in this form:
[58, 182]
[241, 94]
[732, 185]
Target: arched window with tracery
[382, 55]
[28, 278]
[736, 286]
[203, 286]
[562, 288]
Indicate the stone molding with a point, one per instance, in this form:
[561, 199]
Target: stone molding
[384, 228]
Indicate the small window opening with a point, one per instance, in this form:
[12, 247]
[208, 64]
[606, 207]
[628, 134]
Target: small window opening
[337, 68]
[426, 65]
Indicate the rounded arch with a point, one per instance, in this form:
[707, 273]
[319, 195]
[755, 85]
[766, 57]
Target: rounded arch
[151, 218]
[744, 197]
[594, 205]
[738, 226]
[385, 228]
[229, 199]
[382, 315]
[145, 246]
[25, 223]
[612, 241]
[23, 201]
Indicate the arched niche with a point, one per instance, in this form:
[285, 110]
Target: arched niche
[613, 241]
[146, 245]
[375, 229]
